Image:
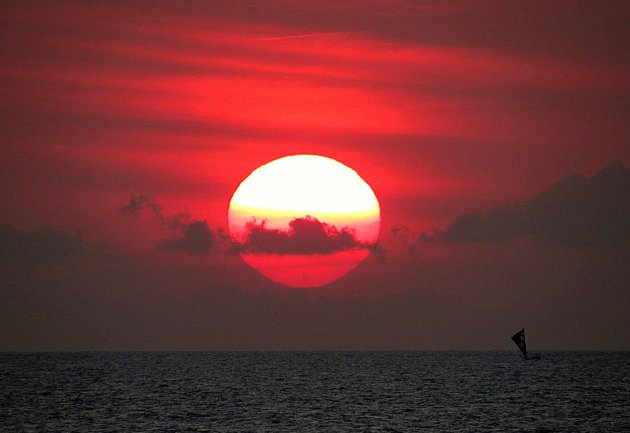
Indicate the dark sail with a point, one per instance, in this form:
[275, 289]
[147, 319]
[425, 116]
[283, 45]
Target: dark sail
[519, 339]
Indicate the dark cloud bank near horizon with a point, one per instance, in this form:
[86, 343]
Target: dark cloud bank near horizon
[577, 210]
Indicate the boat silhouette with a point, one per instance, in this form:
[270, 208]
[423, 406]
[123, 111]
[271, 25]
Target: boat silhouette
[519, 340]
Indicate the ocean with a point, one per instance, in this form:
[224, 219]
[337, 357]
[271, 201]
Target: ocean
[314, 392]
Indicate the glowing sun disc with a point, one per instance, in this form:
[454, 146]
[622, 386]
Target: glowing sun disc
[313, 188]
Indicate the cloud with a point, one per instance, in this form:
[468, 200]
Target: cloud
[143, 202]
[42, 246]
[305, 235]
[402, 234]
[196, 237]
[576, 210]
[193, 236]
[140, 202]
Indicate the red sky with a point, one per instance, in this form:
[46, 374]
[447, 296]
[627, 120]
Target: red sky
[444, 108]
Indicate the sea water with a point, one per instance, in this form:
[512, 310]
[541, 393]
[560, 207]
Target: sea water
[314, 392]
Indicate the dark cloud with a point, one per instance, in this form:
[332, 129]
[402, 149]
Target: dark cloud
[402, 234]
[140, 202]
[305, 235]
[143, 202]
[193, 236]
[575, 210]
[43, 246]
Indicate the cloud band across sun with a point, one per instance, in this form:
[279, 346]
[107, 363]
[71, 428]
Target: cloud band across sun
[305, 235]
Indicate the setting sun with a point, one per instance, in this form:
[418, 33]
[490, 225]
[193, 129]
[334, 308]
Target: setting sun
[304, 220]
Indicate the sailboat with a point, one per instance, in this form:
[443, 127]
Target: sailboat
[519, 339]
